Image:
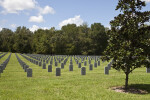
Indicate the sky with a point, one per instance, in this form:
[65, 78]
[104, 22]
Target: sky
[35, 14]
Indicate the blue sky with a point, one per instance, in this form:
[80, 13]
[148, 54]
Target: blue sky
[45, 14]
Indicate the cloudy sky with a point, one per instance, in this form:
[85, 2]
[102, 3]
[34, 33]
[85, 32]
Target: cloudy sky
[45, 14]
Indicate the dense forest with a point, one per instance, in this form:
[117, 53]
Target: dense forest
[69, 40]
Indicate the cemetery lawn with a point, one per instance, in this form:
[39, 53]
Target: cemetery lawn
[44, 85]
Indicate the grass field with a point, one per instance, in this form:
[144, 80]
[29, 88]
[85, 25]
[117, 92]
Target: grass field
[14, 84]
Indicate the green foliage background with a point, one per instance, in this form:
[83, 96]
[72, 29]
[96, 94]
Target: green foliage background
[70, 40]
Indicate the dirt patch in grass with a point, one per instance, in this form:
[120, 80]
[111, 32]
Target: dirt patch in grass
[122, 89]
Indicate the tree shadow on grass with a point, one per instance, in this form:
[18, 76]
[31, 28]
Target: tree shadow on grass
[133, 89]
[145, 87]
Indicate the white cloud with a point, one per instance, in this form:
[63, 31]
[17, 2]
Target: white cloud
[13, 25]
[14, 6]
[35, 27]
[146, 0]
[0, 28]
[46, 10]
[37, 19]
[76, 20]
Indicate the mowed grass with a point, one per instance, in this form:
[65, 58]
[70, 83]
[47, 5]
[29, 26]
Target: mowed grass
[44, 85]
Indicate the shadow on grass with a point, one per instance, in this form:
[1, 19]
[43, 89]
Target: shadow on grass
[134, 89]
[145, 87]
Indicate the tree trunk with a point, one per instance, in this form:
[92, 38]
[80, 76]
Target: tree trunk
[126, 81]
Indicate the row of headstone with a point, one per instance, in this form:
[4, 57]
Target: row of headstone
[4, 64]
[1, 53]
[25, 67]
[1, 56]
[32, 60]
[83, 59]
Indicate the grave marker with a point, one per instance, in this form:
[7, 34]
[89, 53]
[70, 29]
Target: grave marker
[83, 71]
[58, 71]
[29, 72]
[106, 70]
[49, 68]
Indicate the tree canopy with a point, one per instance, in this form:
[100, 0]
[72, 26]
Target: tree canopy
[69, 40]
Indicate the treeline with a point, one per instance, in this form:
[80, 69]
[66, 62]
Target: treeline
[70, 40]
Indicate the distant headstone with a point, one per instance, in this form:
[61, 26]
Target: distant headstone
[98, 63]
[29, 72]
[56, 63]
[77, 62]
[95, 64]
[71, 62]
[36, 62]
[25, 68]
[58, 72]
[89, 61]
[49, 68]
[109, 66]
[85, 63]
[91, 67]
[1, 69]
[83, 71]
[148, 70]
[40, 63]
[51, 62]
[79, 65]
[44, 65]
[62, 65]
[70, 67]
[106, 70]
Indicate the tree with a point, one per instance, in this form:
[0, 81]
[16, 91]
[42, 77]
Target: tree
[6, 39]
[128, 43]
[99, 38]
[23, 40]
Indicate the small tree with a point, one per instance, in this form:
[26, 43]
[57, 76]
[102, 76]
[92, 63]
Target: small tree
[129, 43]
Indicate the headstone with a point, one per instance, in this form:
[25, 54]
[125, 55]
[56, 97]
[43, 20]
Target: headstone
[47, 61]
[85, 63]
[44, 65]
[51, 62]
[106, 70]
[83, 71]
[1, 69]
[36, 62]
[95, 64]
[71, 63]
[79, 65]
[91, 67]
[148, 70]
[49, 68]
[25, 68]
[56, 63]
[109, 66]
[77, 62]
[70, 67]
[29, 72]
[40, 63]
[89, 61]
[58, 71]
[98, 63]
[62, 65]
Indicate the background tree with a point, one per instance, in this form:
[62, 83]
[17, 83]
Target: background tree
[99, 38]
[6, 39]
[128, 39]
[70, 39]
[22, 40]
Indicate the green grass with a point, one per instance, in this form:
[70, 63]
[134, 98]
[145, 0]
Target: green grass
[14, 84]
